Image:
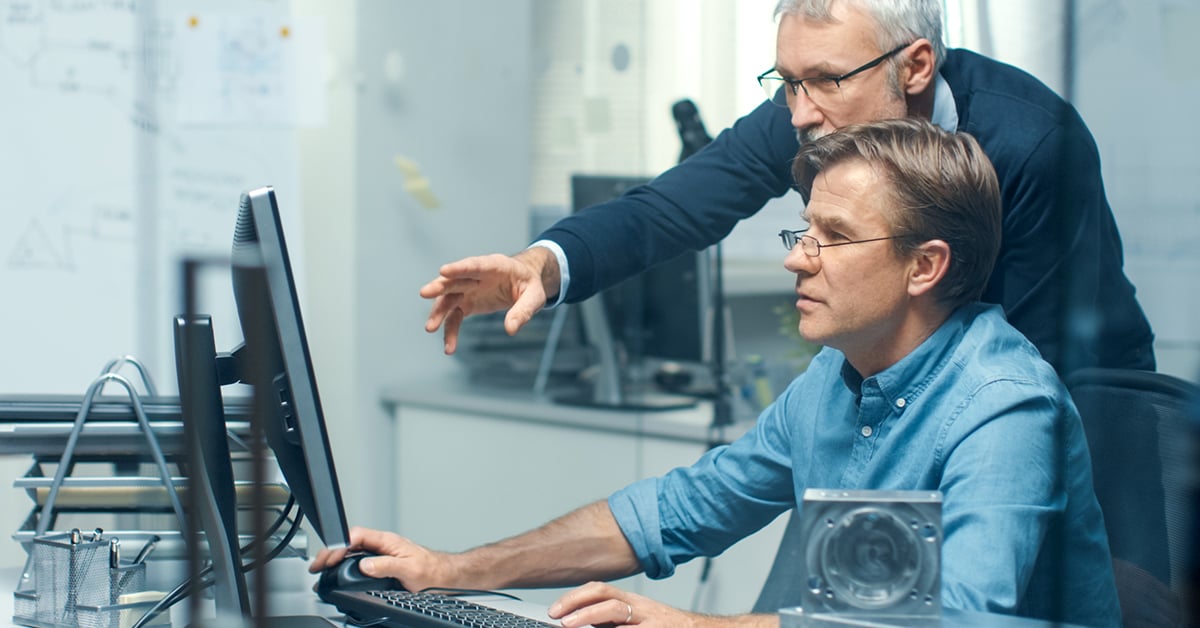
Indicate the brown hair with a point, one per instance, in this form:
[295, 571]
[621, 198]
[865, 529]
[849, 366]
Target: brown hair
[943, 185]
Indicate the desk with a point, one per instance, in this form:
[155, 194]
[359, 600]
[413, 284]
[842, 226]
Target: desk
[524, 461]
[950, 618]
[295, 599]
[304, 602]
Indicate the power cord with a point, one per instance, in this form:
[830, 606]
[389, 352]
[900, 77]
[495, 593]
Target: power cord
[201, 580]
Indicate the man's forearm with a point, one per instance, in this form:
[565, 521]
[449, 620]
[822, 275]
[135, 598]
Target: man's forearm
[584, 545]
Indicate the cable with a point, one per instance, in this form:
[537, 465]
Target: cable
[454, 592]
[190, 586]
[201, 580]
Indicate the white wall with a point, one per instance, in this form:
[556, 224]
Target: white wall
[445, 85]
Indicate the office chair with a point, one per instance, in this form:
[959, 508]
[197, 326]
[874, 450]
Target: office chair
[1143, 443]
[783, 588]
[1144, 448]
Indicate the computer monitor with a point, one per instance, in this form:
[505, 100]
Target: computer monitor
[659, 314]
[645, 323]
[276, 359]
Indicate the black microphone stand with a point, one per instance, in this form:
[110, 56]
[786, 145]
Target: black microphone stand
[722, 405]
[695, 137]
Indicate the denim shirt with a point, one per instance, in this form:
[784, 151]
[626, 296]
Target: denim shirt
[973, 412]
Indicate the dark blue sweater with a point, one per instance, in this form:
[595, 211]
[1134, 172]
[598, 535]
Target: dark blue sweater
[1060, 274]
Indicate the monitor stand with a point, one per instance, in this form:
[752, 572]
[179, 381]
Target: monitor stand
[607, 391]
[201, 373]
[644, 402]
[292, 621]
[212, 473]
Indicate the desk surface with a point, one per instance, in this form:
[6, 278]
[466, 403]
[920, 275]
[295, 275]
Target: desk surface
[687, 425]
[293, 602]
[297, 599]
[305, 603]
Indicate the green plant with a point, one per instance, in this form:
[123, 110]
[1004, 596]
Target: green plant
[789, 327]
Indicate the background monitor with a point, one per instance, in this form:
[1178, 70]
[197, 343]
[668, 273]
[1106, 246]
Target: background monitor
[275, 360]
[647, 325]
[659, 315]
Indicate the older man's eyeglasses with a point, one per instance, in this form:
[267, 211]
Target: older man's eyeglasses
[812, 247]
[822, 90]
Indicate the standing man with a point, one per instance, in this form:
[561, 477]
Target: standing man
[919, 386]
[1060, 273]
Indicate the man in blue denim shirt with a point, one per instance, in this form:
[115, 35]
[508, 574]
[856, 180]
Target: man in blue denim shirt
[919, 386]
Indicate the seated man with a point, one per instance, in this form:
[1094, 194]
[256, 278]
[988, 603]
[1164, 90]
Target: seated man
[918, 386]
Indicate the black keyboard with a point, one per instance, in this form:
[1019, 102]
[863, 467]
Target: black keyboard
[402, 609]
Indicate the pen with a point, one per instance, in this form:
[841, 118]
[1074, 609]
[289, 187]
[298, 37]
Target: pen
[114, 553]
[73, 569]
[151, 543]
[114, 569]
[97, 535]
[132, 568]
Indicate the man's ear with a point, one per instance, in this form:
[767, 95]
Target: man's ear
[918, 71]
[929, 265]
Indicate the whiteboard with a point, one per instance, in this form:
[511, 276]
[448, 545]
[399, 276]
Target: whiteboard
[129, 133]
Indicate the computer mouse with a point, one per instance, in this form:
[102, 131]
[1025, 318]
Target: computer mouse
[346, 576]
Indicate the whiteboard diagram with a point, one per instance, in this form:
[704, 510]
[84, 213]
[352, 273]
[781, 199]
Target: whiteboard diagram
[107, 186]
[50, 244]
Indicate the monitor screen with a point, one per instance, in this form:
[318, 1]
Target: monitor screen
[277, 359]
[659, 314]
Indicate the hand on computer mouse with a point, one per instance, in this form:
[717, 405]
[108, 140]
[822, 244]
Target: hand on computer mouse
[388, 556]
[347, 576]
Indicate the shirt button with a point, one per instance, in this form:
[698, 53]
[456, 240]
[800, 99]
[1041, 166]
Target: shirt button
[900, 403]
[867, 431]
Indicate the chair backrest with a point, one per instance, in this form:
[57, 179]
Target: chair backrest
[1142, 436]
[1142, 433]
[783, 588]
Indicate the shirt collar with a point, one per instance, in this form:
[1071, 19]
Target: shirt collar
[903, 382]
[945, 111]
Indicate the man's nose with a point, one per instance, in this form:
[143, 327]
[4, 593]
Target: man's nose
[805, 114]
[797, 261]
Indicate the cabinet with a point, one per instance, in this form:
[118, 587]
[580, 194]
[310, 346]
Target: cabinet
[472, 471]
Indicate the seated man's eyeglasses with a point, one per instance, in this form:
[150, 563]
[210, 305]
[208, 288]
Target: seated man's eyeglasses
[822, 90]
[812, 247]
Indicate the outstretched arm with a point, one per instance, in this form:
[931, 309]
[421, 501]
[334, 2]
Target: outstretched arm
[489, 283]
[583, 545]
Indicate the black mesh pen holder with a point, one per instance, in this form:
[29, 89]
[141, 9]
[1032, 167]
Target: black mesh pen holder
[77, 582]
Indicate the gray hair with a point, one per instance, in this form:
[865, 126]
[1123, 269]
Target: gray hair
[900, 21]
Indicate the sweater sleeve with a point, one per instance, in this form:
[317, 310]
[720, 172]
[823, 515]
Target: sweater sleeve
[688, 207]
